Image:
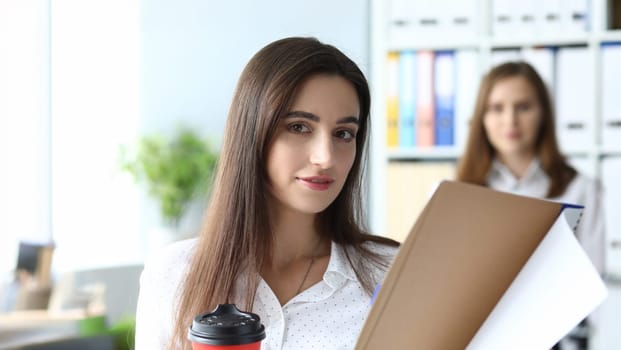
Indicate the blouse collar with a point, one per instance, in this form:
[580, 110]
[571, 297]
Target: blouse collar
[535, 181]
[499, 170]
[339, 269]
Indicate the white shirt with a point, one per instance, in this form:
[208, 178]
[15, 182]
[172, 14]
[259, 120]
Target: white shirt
[582, 191]
[328, 315]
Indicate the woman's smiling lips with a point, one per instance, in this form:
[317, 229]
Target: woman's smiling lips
[513, 135]
[317, 183]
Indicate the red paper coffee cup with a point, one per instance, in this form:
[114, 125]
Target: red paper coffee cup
[226, 328]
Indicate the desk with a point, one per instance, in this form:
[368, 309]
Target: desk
[21, 328]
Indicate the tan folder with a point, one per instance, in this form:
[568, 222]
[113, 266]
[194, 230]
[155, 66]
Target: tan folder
[465, 249]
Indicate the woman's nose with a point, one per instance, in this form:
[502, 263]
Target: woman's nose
[322, 152]
[511, 116]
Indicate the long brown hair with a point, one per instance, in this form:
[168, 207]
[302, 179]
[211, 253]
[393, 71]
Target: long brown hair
[236, 237]
[476, 161]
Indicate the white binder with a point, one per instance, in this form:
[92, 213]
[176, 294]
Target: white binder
[401, 20]
[611, 97]
[504, 19]
[467, 85]
[584, 165]
[574, 99]
[611, 170]
[542, 59]
[505, 55]
[462, 17]
[548, 17]
[525, 17]
[575, 16]
[433, 17]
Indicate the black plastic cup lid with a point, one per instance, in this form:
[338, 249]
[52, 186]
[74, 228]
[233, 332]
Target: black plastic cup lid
[226, 325]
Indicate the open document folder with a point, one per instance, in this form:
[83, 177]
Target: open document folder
[482, 269]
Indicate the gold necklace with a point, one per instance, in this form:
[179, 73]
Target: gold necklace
[308, 268]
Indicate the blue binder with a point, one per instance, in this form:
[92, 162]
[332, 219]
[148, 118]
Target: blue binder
[407, 99]
[444, 95]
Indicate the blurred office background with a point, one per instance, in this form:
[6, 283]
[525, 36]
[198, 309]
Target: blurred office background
[79, 79]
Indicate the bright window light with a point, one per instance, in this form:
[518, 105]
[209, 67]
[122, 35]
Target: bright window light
[95, 75]
[24, 126]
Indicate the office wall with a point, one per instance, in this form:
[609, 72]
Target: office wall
[194, 50]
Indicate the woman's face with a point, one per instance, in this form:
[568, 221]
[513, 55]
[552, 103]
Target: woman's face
[315, 145]
[513, 117]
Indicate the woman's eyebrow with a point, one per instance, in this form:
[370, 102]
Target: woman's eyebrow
[315, 118]
[346, 120]
[300, 114]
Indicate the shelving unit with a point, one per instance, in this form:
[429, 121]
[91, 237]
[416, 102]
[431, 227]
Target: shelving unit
[589, 156]
[435, 153]
[485, 43]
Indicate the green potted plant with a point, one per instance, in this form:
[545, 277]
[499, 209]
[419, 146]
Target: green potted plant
[174, 169]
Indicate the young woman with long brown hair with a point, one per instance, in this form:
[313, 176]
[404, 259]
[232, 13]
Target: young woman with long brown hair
[512, 147]
[283, 234]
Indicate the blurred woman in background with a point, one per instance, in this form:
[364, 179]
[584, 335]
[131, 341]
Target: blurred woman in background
[512, 147]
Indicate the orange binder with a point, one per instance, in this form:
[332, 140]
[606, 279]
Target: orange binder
[392, 100]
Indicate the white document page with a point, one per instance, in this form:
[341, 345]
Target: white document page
[554, 291]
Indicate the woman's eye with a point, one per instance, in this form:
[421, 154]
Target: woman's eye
[298, 128]
[495, 109]
[522, 107]
[345, 135]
